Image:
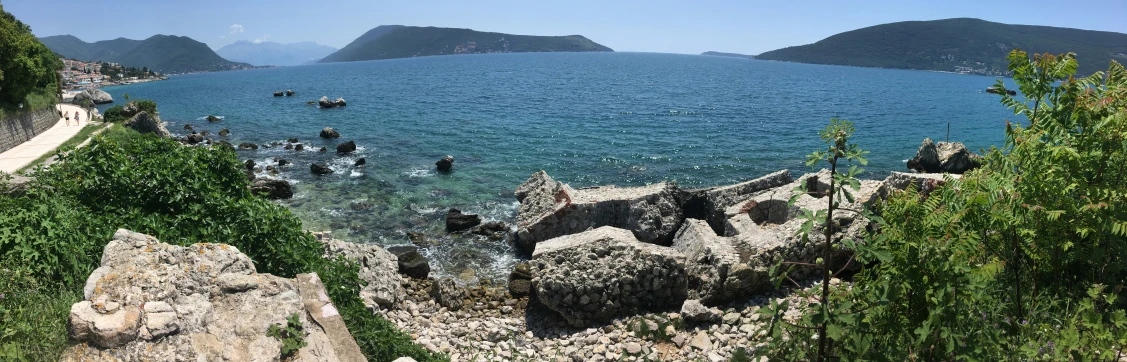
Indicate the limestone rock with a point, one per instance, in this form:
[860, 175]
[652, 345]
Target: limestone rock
[272, 189]
[144, 122]
[324, 102]
[713, 263]
[97, 96]
[603, 273]
[949, 157]
[159, 302]
[447, 293]
[550, 209]
[378, 267]
[692, 310]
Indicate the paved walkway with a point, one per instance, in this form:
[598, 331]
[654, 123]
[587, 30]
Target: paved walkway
[16, 158]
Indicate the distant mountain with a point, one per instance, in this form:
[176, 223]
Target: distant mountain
[956, 45]
[270, 53]
[734, 55]
[161, 53]
[398, 41]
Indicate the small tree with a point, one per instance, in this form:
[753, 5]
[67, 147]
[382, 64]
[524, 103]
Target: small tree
[823, 319]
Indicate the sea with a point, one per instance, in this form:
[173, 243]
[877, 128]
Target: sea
[586, 118]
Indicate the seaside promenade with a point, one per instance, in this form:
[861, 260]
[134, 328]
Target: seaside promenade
[16, 158]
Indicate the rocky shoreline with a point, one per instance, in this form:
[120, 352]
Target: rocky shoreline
[615, 273]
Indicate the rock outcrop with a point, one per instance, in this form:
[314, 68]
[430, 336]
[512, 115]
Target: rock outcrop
[97, 96]
[143, 122]
[324, 102]
[329, 132]
[278, 94]
[445, 164]
[211, 118]
[272, 189]
[600, 274]
[550, 209]
[378, 268]
[949, 157]
[411, 263]
[158, 302]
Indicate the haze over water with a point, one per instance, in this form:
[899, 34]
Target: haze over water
[586, 118]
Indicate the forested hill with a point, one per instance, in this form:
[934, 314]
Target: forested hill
[161, 53]
[956, 45]
[397, 41]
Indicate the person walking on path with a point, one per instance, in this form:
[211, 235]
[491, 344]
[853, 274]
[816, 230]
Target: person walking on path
[77, 119]
[67, 117]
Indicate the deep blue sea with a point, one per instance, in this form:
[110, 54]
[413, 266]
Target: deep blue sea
[586, 118]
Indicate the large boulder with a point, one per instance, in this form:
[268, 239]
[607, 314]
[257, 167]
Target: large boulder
[329, 132]
[347, 147]
[949, 157]
[716, 274]
[143, 122]
[411, 262]
[272, 189]
[600, 274]
[457, 221]
[550, 209]
[97, 96]
[378, 268]
[447, 293]
[152, 301]
[445, 164]
[520, 280]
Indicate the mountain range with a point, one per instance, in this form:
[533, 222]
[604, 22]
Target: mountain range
[961, 45]
[398, 41]
[271, 53]
[162, 53]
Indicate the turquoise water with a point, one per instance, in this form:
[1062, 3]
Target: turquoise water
[585, 118]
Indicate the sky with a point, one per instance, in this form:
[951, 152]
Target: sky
[690, 27]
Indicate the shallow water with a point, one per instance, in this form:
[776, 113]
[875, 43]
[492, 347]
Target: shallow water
[585, 118]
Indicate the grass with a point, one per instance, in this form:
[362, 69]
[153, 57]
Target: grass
[40, 99]
[32, 316]
[82, 135]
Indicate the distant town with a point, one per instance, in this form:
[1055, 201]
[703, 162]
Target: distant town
[78, 74]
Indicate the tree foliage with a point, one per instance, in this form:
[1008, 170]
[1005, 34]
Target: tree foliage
[25, 63]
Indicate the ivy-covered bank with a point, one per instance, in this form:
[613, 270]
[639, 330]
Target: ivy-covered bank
[53, 230]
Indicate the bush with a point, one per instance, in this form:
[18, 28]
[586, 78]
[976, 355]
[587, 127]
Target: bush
[115, 114]
[1019, 260]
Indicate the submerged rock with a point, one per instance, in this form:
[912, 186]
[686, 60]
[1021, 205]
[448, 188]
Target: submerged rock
[950, 157]
[445, 164]
[457, 221]
[360, 162]
[272, 189]
[299, 147]
[320, 169]
[211, 118]
[248, 146]
[292, 140]
[158, 302]
[224, 132]
[289, 92]
[329, 132]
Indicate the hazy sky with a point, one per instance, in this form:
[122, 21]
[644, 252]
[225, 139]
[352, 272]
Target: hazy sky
[740, 26]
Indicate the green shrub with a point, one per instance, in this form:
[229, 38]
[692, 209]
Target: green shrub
[181, 195]
[32, 315]
[292, 336]
[1019, 260]
[115, 114]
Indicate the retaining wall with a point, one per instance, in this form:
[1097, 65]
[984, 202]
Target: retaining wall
[19, 128]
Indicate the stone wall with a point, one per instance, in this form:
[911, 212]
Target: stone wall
[17, 129]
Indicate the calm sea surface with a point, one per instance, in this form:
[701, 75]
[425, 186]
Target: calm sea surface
[585, 118]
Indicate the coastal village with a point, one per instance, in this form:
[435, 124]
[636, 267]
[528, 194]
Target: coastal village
[77, 74]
